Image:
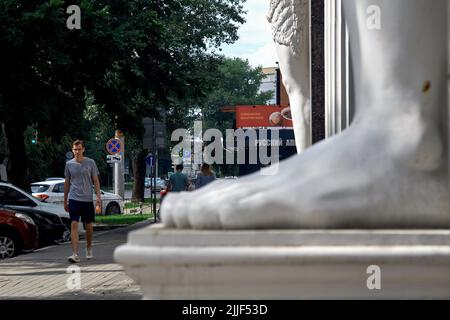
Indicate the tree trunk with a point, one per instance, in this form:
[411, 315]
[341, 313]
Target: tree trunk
[139, 176]
[5, 152]
[18, 164]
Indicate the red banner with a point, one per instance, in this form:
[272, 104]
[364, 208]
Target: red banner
[263, 116]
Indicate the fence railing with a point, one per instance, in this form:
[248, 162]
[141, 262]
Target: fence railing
[133, 207]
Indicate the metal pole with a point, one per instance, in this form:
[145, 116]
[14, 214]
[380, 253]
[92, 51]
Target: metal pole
[154, 172]
[116, 178]
[156, 162]
[119, 168]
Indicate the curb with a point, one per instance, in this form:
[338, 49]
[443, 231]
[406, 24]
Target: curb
[101, 227]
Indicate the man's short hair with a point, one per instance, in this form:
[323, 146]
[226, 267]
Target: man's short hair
[78, 142]
[179, 167]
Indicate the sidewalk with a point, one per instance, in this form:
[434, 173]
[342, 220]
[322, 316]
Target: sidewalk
[43, 274]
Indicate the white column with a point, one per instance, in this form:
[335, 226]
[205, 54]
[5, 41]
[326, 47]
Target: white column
[338, 108]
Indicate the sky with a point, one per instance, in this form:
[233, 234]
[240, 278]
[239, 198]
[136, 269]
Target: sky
[255, 37]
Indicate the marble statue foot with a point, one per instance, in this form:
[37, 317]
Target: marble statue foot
[369, 176]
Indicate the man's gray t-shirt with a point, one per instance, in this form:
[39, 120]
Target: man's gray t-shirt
[80, 175]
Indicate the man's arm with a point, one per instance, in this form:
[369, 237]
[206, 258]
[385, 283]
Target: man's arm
[97, 189]
[66, 193]
[96, 181]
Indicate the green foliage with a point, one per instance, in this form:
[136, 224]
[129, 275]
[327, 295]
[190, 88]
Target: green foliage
[238, 84]
[228, 82]
[122, 219]
[47, 157]
[100, 131]
[132, 56]
[56, 3]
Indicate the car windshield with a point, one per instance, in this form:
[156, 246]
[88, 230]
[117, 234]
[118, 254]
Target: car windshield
[38, 188]
[20, 192]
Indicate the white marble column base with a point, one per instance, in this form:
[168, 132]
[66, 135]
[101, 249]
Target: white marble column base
[287, 264]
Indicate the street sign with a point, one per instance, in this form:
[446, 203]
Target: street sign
[149, 160]
[113, 158]
[155, 134]
[187, 156]
[114, 146]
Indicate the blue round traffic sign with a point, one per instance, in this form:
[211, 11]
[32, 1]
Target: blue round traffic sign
[114, 146]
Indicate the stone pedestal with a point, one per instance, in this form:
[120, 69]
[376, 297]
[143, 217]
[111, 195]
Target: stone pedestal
[287, 264]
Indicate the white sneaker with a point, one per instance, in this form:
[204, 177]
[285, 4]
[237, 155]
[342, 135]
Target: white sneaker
[74, 258]
[89, 254]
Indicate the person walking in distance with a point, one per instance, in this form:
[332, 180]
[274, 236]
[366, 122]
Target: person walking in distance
[80, 173]
[178, 181]
[204, 177]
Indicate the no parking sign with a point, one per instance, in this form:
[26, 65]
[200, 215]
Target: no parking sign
[114, 146]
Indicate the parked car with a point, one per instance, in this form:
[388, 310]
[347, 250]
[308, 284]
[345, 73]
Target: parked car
[50, 226]
[15, 198]
[18, 233]
[160, 183]
[53, 192]
[53, 179]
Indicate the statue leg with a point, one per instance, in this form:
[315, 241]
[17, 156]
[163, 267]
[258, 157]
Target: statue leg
[389, 169]
[295, 75]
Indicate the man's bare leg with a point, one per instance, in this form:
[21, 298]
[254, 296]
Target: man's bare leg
[74, 236]
[89, 234]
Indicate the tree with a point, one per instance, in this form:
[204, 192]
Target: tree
[238, 84]
[233, 82]
[133, 56]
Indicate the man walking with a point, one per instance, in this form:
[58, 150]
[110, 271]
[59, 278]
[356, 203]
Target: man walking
[178, 181]
[80, 173]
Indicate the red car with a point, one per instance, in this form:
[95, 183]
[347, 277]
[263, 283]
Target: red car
[18, 233]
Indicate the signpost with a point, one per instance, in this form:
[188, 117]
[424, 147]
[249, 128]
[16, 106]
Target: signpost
[151, 161]
[113, 158]
[116, 149]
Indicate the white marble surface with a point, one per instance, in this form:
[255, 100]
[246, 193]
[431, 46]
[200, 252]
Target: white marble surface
[287, 264]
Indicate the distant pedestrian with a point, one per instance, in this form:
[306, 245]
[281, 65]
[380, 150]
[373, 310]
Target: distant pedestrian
[205, 176]
[178, 181]
[80, 173]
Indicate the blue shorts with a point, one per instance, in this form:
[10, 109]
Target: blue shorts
[82, 209]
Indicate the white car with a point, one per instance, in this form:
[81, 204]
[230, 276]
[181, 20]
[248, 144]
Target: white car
[14, 197]
[160, 183]
[53, 192]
